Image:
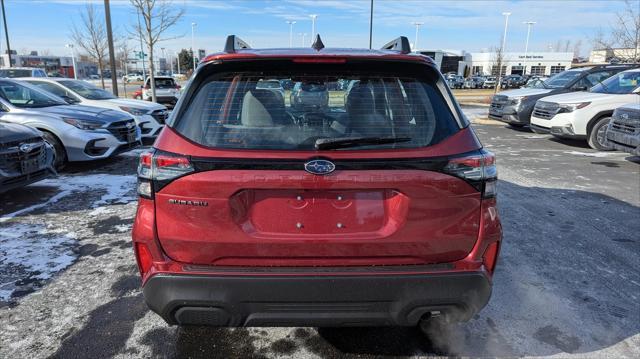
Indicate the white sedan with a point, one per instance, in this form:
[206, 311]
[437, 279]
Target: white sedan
[149, 116]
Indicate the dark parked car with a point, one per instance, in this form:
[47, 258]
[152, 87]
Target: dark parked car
[623, 132]
[515, 106]
[25, 157]
[513, 81]
[455, 81]
[380, 211]
[474, 82]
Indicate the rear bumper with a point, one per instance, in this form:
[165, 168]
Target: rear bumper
[322, 300]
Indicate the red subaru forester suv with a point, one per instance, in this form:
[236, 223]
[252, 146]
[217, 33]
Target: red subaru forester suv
[371, 202]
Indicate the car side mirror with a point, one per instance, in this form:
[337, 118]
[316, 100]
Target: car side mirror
[68, 99]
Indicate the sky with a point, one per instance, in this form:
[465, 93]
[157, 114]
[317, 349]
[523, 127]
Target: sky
[44, 25]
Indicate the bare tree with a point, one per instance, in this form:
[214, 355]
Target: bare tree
[558, 46]
[158, 16]
[498, 66]
[567, 45]
[624, 33]
[123, 50]
[576, 49]
[92, 37]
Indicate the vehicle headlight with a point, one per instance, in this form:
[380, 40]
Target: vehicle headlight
[134, 111]
[570, 107]
[517, 100]
[83, 124]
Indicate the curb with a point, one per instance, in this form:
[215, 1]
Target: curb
[480, 104]
[486, 121]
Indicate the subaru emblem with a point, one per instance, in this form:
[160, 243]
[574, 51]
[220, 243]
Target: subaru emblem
[319, 167]
[26, 147]
[625, 116]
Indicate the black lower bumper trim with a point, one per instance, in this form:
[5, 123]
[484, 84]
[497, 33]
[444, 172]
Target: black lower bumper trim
[365, 300]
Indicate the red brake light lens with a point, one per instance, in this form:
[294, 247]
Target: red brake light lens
[144, 258]
[172, 161]
[490, 257]
[319, 60]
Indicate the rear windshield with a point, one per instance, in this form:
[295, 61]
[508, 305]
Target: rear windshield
[562, 79]
[164, 83]
[235, 110]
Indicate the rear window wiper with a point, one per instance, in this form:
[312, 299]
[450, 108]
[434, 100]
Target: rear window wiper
[345, 142]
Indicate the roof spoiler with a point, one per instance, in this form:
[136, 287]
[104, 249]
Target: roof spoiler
[235, 43]
[400, 44]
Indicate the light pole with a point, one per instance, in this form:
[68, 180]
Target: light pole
[144, 77]
[126, 72]
[526, 44]
[313, 26]
[164, 55]
[417, 24]
[304, 36]
[178, 61]
[193, 54]
[290, 22]
[73, 60]
[6, 33]
[504, 44]
[371, 25]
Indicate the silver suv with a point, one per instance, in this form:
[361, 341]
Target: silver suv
[77, 133]
[623, 132]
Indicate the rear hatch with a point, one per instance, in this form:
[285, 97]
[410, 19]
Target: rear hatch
[387, 175]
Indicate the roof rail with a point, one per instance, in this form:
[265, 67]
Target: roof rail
[235, 43]
[400, 44]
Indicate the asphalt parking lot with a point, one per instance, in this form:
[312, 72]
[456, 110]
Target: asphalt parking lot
[567, 284]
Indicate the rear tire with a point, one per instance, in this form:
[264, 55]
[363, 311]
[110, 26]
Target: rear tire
[597, 135]
[61, 154]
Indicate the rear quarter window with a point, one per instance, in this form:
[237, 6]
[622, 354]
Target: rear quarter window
[234, 109]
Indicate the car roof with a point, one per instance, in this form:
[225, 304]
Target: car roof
[327, 53]
[44, 78]
[21, 68]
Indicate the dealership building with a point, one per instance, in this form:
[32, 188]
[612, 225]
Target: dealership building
[484, 63]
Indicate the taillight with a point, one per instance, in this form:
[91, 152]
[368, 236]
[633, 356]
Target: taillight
[157, 169]
[144, 259]
[478, 169]
[490, 257]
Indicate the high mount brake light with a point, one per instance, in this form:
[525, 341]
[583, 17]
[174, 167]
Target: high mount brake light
[157, 169]
[319, 60]
[479, 170]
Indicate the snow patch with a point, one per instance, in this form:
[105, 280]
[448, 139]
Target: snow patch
[135, 152]
[30, 254]
[122, 228]
[116, 188]
[591, 154]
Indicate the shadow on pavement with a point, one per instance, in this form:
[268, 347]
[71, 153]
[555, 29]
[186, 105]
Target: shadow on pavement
[565, 283]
